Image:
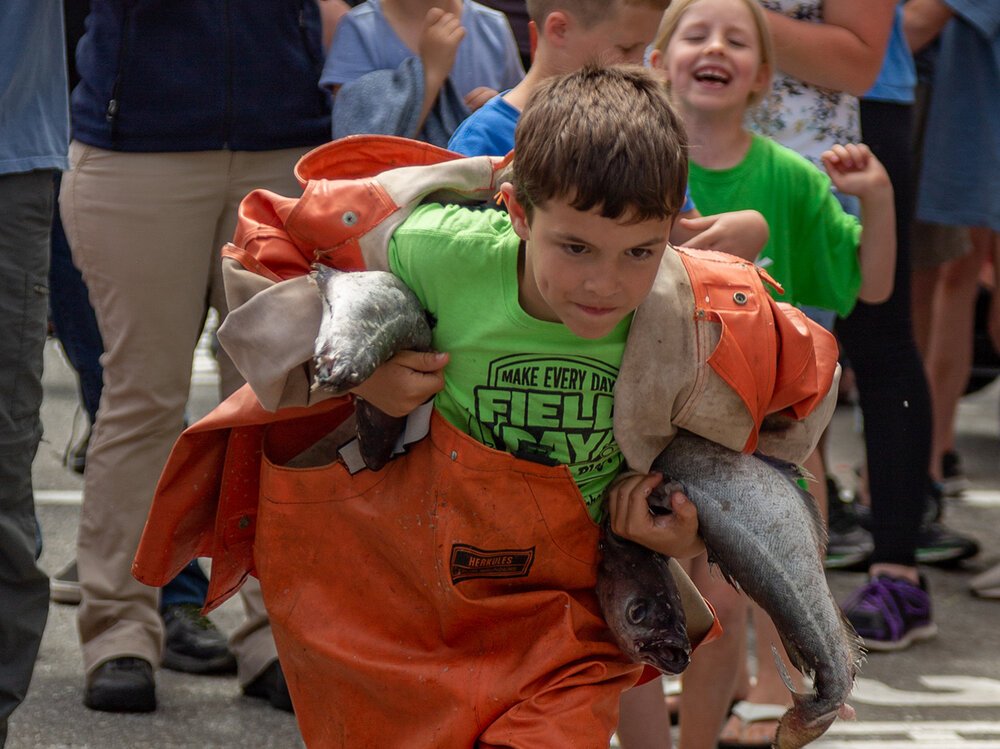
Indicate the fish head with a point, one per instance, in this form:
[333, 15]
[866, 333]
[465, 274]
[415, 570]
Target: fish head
[642, 605]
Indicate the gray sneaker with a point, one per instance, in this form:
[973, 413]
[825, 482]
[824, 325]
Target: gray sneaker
[64, 586]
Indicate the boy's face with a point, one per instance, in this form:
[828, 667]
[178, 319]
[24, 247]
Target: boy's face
[622, 37]
[582, 269]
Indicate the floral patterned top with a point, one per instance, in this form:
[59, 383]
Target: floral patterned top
[806, 118]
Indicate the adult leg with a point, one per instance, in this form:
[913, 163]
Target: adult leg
[140, 227]
[949, 355]
[24, 589]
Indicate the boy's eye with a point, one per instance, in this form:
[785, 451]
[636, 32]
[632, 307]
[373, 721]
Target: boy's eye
[639, 253]
[574, 249]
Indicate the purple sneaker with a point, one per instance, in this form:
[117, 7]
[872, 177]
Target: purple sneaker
[890, 613]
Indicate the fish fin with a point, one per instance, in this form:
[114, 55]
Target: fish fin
[377, 433]
[792, 473]
[713, 561]
[783, 673]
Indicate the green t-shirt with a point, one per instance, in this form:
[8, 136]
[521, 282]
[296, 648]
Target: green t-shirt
[813, 248]
[525, 386]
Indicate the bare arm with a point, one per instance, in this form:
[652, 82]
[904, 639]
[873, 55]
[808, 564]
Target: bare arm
[854, 170]
[923, 21]
[330, 12]
[438, 45]
[740, 233]
[844, 53]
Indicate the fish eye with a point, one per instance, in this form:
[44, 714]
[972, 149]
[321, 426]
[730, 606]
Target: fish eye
[636, 612]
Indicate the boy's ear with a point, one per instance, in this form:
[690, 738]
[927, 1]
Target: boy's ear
[518, 218]
[658, 65]
[556, 27]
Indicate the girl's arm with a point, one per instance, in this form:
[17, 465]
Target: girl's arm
[854, 170]
[844, 53]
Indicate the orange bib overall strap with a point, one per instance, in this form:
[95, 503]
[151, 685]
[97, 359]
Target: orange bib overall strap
[446, 601]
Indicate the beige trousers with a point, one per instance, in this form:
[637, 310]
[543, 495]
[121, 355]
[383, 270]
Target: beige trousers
[145, 230]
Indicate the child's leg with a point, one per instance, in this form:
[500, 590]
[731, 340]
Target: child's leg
[710, 680]
[644, 722]
[767, 689]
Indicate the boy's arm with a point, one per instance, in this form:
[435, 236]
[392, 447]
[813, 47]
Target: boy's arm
[674, 535]
[854, 170]
[439, 40]
[740, 233]
[405, 382]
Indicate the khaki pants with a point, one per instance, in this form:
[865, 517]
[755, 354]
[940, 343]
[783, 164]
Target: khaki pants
[145, 230]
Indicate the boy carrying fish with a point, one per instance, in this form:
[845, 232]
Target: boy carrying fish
[448, 599]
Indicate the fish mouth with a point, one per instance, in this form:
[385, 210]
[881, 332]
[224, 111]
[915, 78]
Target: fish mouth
[665, 655]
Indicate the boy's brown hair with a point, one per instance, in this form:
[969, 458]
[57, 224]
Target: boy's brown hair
[587, 12]
[671, 19]
[605, 138]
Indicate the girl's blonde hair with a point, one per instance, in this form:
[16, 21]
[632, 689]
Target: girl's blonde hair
[677, 8]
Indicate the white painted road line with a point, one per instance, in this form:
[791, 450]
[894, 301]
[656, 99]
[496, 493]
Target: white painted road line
[58, 497]
[908, 735]
[980, 497]
[955, 690]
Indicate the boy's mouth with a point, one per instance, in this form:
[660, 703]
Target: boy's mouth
[595, 311]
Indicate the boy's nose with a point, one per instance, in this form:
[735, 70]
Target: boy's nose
[601, 285]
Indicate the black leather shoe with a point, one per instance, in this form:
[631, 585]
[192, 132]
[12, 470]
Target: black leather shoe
[121, 685]
[194, 645]
[271, 686]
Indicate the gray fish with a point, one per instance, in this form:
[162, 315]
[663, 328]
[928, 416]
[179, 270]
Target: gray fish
[641, 604]
[767, 538]
[368, 317]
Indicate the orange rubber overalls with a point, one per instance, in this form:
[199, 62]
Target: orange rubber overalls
[445, 601]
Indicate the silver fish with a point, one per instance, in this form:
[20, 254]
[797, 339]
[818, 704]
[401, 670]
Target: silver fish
[641, 604]
[368, 317]
[767, 538]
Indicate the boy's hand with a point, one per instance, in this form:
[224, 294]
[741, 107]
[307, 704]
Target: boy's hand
[403, 383]
[740, 233]
[479, 96]
[674, 534]
[439, 40]
[854, 170]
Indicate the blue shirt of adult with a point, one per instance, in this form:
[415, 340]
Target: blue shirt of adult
[34, 113]
[897, 79]
[960, 177]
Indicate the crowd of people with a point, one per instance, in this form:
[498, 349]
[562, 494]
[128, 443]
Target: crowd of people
[840, 146]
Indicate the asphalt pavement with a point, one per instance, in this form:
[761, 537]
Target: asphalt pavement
[944, 693]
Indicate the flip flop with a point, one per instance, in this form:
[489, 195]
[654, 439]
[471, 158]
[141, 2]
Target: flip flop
[748, 713]
[986, 584]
